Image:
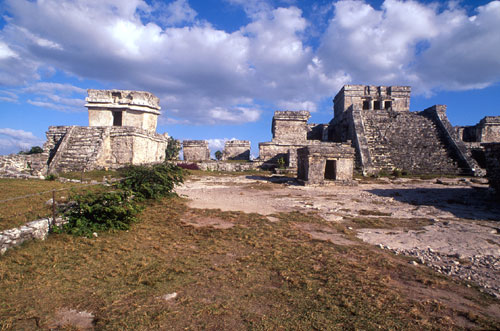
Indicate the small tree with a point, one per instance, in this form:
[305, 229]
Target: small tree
[218, 155]
[173, 148]
[33, 150]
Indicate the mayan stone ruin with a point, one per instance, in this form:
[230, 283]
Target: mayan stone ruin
[325, 163]
[195, 150]
[387, 136]
[121, 131]
[236, 150]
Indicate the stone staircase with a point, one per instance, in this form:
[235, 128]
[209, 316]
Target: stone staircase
[79, 149]
[407, 141]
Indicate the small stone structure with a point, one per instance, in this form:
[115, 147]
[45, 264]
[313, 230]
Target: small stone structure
[492, 156]
[195, 150]
[290, 130]
[325, 163]
[486, 131]
[236, 150]
[123, 108]
[121, 132]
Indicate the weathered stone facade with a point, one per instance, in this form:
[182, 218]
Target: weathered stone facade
[492, 155]
[387, 136]
[290, 132]
[38, 229]
[486, 131]
[123, 108]
[369, 97]
[195, 150]
[106, 143]
[325, 163]
[236, 150]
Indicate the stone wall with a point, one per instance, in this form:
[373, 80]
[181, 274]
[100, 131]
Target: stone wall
[38, 229]
[236, 150]
[492, 156]
[23, 166]
[486, 131]
[195, 150]
[123, 108]
[369, 97]
[290, 126]
[325, 162]
[229, 166]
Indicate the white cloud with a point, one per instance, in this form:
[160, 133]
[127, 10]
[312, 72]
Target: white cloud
[12, 141]
[204, 75]
[407, 42]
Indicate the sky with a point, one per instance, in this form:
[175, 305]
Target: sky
[222, 67]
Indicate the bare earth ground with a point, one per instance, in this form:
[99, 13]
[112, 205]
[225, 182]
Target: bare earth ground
[450, 225]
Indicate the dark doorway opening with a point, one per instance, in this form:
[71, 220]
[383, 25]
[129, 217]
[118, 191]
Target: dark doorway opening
[330, 169]
[117, 118]
[376, 105]
[388, 105]
[366, 105]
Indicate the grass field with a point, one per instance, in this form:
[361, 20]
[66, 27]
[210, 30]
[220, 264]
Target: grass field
[254, 275]
[38, 203]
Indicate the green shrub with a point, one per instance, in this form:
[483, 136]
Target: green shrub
[151, 182]
[51, 177]
[218, 155]
[172, 150]
[95, 212]
[281, 163]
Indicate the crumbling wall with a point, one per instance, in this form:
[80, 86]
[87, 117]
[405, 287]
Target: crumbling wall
[195, 150]
[325, 162]
[492, 155]
[236, 150]
[290, 126]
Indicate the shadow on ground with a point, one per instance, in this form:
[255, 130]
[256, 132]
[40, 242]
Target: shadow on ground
[276, 179]
[464, 202]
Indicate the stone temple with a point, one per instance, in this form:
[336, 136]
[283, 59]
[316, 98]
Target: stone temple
[386, 136]
[121, 131]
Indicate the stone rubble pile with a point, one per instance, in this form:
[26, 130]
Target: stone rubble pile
[484, 270]
[38, 229]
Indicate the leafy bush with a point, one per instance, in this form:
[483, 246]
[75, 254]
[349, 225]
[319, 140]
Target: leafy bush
[51, 177]
[33, 150]
[173, 148]
[188, 166]
[281, 163]
[151, 182]
[218, 155]
[93, 212]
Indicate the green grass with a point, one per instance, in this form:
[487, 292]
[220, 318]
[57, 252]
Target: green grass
[97, 175]
[256, 275]
[15, 213]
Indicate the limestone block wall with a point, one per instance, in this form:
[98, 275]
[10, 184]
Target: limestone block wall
[320, 163]
[492, 155]
[38, 229]
[270, 152]
[78, 148]
[290, 126]
[23, 166]
[369, 97]
[123, 108]
[489, 129]
[195, 150]
[236, 150]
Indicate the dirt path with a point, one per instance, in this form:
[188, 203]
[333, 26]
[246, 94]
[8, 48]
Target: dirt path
[461, 236]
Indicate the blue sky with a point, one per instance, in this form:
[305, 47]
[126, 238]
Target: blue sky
[222, 67]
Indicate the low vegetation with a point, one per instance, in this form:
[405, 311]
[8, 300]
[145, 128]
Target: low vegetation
[255, 275]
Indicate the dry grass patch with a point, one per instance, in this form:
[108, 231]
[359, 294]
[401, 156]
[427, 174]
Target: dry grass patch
[415, 223]
[255, 275]
[17, 212]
